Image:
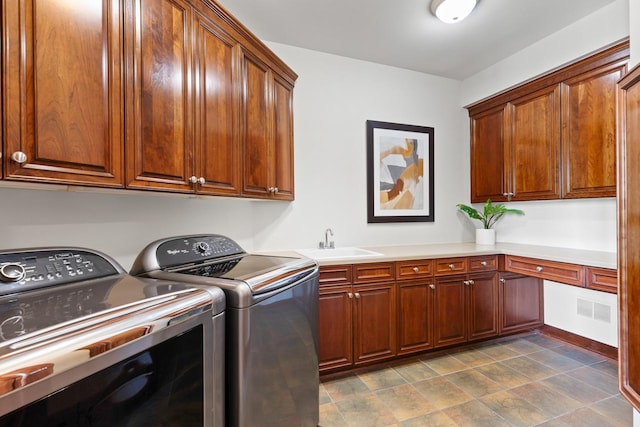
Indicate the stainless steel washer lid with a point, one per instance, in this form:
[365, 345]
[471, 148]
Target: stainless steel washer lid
[216, 260]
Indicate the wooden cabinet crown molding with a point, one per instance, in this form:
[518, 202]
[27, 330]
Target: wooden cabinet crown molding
[617, 53]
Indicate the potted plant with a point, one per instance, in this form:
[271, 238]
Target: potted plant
[489, 216]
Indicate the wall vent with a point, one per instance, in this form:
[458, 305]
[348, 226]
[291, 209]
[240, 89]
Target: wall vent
[602, 312]
[594, 310]
[585, 308]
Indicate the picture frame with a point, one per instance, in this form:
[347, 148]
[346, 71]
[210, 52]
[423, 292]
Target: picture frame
[400, 171]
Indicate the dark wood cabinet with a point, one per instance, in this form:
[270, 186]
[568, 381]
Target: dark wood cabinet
[415, 287]
[521, 303]
[533, 146]
[629, 238]
[488, 165]
[268, 131]
[466, 308]
[63, 92]
[183, 137]
[374, 322]
[208, 107]
[335, 327]
[357, 318]
[450, 323]
[589, 119]
[551, 137]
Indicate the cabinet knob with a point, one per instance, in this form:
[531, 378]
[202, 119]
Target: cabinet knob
[503, 281]
[432, 287]
[272, 190]
[483, 263]
[416, 270]
[275, 190]
[357, 295]
[201, 180]
[471, 282]
[452, 266]
[466, 282]
[19, 157]
[350, 295]
[539, 269]
[193, 179]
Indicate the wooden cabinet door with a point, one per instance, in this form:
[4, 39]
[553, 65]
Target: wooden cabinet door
[335, 333]
[450, 323]
[533, 148]
[282, 158]
[256, 122]
[217, 144]
[589, 132]
[160, 131]
[374, 322]
[415, 316]
[63, 95]
[521, 302]
[629, 238]
[488, 173]
[482, 308]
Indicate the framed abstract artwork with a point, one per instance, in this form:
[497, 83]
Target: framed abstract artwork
[399, 173]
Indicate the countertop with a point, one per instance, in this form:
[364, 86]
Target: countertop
[447, 250]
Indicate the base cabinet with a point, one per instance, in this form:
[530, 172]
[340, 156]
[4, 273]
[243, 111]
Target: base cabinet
[378, 311]
[466, 308]
[521, 302]
[357, 322]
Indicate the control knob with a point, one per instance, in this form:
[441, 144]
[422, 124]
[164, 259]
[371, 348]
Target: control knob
[202, 247]
[12, 272]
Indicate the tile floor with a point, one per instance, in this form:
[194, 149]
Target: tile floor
[528, 380]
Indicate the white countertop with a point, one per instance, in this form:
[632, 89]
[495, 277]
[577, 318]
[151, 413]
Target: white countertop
[447, 250]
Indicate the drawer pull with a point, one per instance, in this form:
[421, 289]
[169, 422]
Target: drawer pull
[483, 263]
[452, 266]
[539, 269]
[432, 287]
[416, 270]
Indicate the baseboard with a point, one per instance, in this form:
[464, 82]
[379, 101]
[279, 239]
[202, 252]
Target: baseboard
[580, 341]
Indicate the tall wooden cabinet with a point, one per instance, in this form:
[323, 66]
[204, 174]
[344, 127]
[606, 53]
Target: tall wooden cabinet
[629, 238]
[63, 92]
[552, 137]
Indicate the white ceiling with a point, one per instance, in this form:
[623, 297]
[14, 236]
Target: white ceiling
[403, 33]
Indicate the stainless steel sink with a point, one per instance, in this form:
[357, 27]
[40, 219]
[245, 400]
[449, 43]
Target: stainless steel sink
[337, 253]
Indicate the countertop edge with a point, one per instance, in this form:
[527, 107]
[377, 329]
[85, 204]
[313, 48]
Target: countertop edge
[588, 258]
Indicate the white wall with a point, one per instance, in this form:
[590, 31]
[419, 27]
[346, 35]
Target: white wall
[585, 224]
[334, 97]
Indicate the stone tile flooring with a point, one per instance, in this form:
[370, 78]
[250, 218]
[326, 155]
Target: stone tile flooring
[527, 380]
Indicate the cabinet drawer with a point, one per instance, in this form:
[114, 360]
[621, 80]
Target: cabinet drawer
[483, 263]
[446, 266]
[571, 274]
[331, 275]
[414, 269]
[602, 279]
[374, 272]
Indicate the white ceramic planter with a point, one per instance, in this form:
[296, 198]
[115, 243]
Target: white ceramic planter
[485, 237]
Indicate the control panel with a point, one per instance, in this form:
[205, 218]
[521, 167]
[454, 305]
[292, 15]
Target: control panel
[195, 249]
[21, 271]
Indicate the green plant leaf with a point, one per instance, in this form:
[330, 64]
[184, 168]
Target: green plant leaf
[490, 213]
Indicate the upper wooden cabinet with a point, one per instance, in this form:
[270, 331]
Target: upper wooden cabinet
[62, 83]
[187, 95]
[589, 132]
[268, 131]
[183, 133]
[552, 137]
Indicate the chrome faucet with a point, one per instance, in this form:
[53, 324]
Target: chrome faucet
[327, 244]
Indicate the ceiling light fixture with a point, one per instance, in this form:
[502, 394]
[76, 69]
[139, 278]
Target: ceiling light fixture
[452, 11]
